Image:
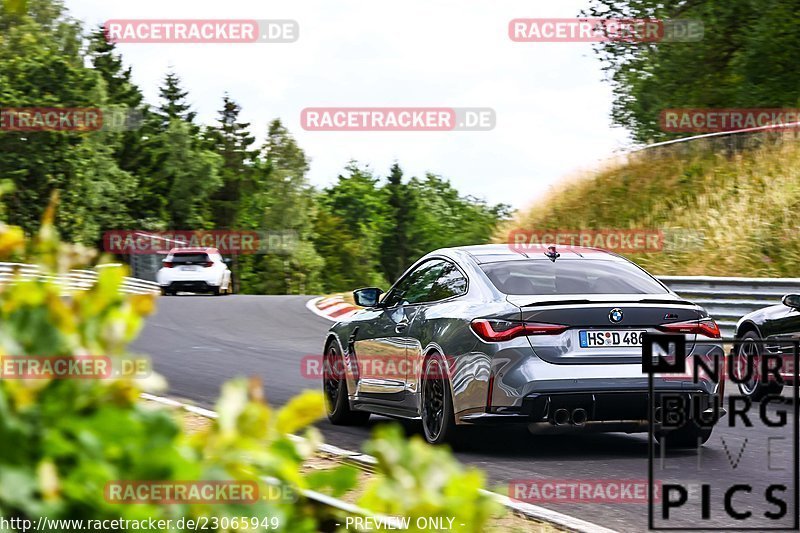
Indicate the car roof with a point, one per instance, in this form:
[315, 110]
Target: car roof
[194, 251]
[494, 253]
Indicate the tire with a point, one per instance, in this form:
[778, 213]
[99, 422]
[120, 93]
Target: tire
[215, 291]
[754, 389]
[436, 403]
[334, 387]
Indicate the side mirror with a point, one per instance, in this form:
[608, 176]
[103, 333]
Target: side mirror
[792, 300]
[367, 297]
[227, 260]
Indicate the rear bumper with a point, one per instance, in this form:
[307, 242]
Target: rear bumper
[167, 277]
[627, 411]
[189, 286]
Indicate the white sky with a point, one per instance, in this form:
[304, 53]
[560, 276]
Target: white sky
[551, 102]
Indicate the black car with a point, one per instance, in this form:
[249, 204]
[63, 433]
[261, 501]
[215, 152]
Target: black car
[778, 326]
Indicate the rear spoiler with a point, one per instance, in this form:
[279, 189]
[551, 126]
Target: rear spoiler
[545, 303]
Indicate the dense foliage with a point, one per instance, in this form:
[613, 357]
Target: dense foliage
[172, 173]
[743, 60]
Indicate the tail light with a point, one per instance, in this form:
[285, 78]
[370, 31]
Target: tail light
[503, 330]
[704, 326]
[208, 264]
[168, 264]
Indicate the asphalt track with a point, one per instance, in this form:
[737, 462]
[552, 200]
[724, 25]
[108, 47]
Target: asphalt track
[199, 342]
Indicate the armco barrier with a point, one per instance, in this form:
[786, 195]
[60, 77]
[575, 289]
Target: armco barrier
[74, 279]
[730, 137]
[729, 299]
[726, 299]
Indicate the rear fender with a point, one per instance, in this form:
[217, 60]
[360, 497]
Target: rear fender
[467, 378]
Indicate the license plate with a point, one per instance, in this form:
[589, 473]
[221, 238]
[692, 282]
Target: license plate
[190, 268]
[598, 338]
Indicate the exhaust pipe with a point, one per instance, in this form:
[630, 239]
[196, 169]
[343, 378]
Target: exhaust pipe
[579, 416]
[561, 417]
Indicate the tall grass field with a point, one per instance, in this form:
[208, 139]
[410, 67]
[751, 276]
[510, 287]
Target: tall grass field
[723, 211]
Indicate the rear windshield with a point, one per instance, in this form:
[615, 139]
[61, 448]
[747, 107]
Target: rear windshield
[570, 277]
[190, 258]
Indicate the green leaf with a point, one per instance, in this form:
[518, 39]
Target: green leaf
[338, 480]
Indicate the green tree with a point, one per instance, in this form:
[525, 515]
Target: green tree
[281, 205]
[349, 229]
[174, 104]
[743, 60]
[42, 65]
[369, 233]
[395, 247]
[347, 257]
[179, 173]
[121, 92]
[108, 63]
[441, 217]
[192, 175]
[64, 440]
[231, 139]
[131, 152]
[289, 195]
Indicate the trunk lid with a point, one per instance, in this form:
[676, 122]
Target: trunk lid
[590, 317]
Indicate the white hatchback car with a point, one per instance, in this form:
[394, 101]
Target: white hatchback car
[195, 270]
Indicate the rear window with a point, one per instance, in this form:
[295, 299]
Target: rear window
[571, 277]
[190, 258]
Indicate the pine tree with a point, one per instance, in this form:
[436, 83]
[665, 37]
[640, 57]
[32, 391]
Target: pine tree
[127, 100]
[231, 139]
[174, 104]
[395, 252]
[166, 159]
[105, 60]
